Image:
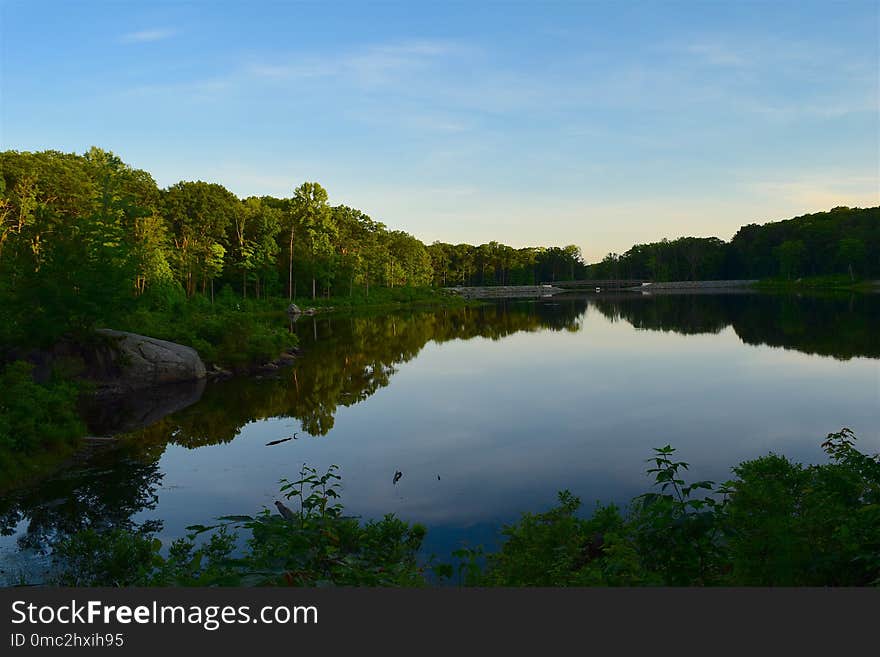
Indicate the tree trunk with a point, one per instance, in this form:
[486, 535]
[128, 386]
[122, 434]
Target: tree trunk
[290, 266]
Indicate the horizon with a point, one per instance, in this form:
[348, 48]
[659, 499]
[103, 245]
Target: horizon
[597, 125]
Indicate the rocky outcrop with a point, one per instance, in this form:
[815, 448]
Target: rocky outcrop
[294, 312]
[135, 362]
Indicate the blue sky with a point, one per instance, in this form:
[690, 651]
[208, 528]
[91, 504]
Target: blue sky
[599, 124]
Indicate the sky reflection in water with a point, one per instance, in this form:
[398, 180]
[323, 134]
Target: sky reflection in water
[507, 405]
[506, 423]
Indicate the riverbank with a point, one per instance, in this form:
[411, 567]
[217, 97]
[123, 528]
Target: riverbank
[839, 282]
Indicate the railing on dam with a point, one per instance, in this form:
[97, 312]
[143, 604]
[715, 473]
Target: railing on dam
[605, 284]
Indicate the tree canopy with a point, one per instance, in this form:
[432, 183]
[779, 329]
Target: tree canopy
[840, 241]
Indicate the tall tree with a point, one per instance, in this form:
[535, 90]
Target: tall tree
[309, 207]
[199, 214]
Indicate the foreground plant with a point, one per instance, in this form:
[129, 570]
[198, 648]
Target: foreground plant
[776, 523]
[313, 546]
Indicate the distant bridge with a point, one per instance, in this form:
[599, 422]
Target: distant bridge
[609, 284]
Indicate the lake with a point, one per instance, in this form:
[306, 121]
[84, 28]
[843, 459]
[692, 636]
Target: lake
[487, 412]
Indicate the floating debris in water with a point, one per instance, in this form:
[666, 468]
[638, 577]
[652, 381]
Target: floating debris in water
[282, 440]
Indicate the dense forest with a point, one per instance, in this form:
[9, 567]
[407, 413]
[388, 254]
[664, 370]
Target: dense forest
[840, 241]
[82, 237]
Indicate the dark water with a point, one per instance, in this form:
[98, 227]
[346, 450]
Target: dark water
[506, 404]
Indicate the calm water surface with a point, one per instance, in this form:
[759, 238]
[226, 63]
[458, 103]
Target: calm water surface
[487, 412]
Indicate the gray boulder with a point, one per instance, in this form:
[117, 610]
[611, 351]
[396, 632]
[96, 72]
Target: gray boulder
[138, 362]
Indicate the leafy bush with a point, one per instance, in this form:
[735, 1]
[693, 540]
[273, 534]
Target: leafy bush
[793, 525]
[34, 416]
[554, 548]
[311, 547]
[116, 557]
[777, 523]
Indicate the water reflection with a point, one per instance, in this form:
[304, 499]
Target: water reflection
[104, 489]
[840, 325]
[505, 403]
[346, 361]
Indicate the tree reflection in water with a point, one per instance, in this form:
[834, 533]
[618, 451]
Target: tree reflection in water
[348, 358]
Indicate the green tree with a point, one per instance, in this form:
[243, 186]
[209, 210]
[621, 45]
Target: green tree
[199, 215]
[851, 253]
[791, 254]
[309, 207]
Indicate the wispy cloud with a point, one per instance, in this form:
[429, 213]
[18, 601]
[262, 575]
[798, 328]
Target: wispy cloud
[718, 54]
[207, 90]
[372, 65]
[147, 36]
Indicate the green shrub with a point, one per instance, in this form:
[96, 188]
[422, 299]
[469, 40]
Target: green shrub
[114, 557]
[792, 525]
[313, 546]
[777, 523]
[34, 416]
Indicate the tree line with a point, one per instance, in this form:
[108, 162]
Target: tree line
[841, 241]
[83, 237]
[81, 234]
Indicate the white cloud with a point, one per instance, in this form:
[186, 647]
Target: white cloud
[148, 36]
